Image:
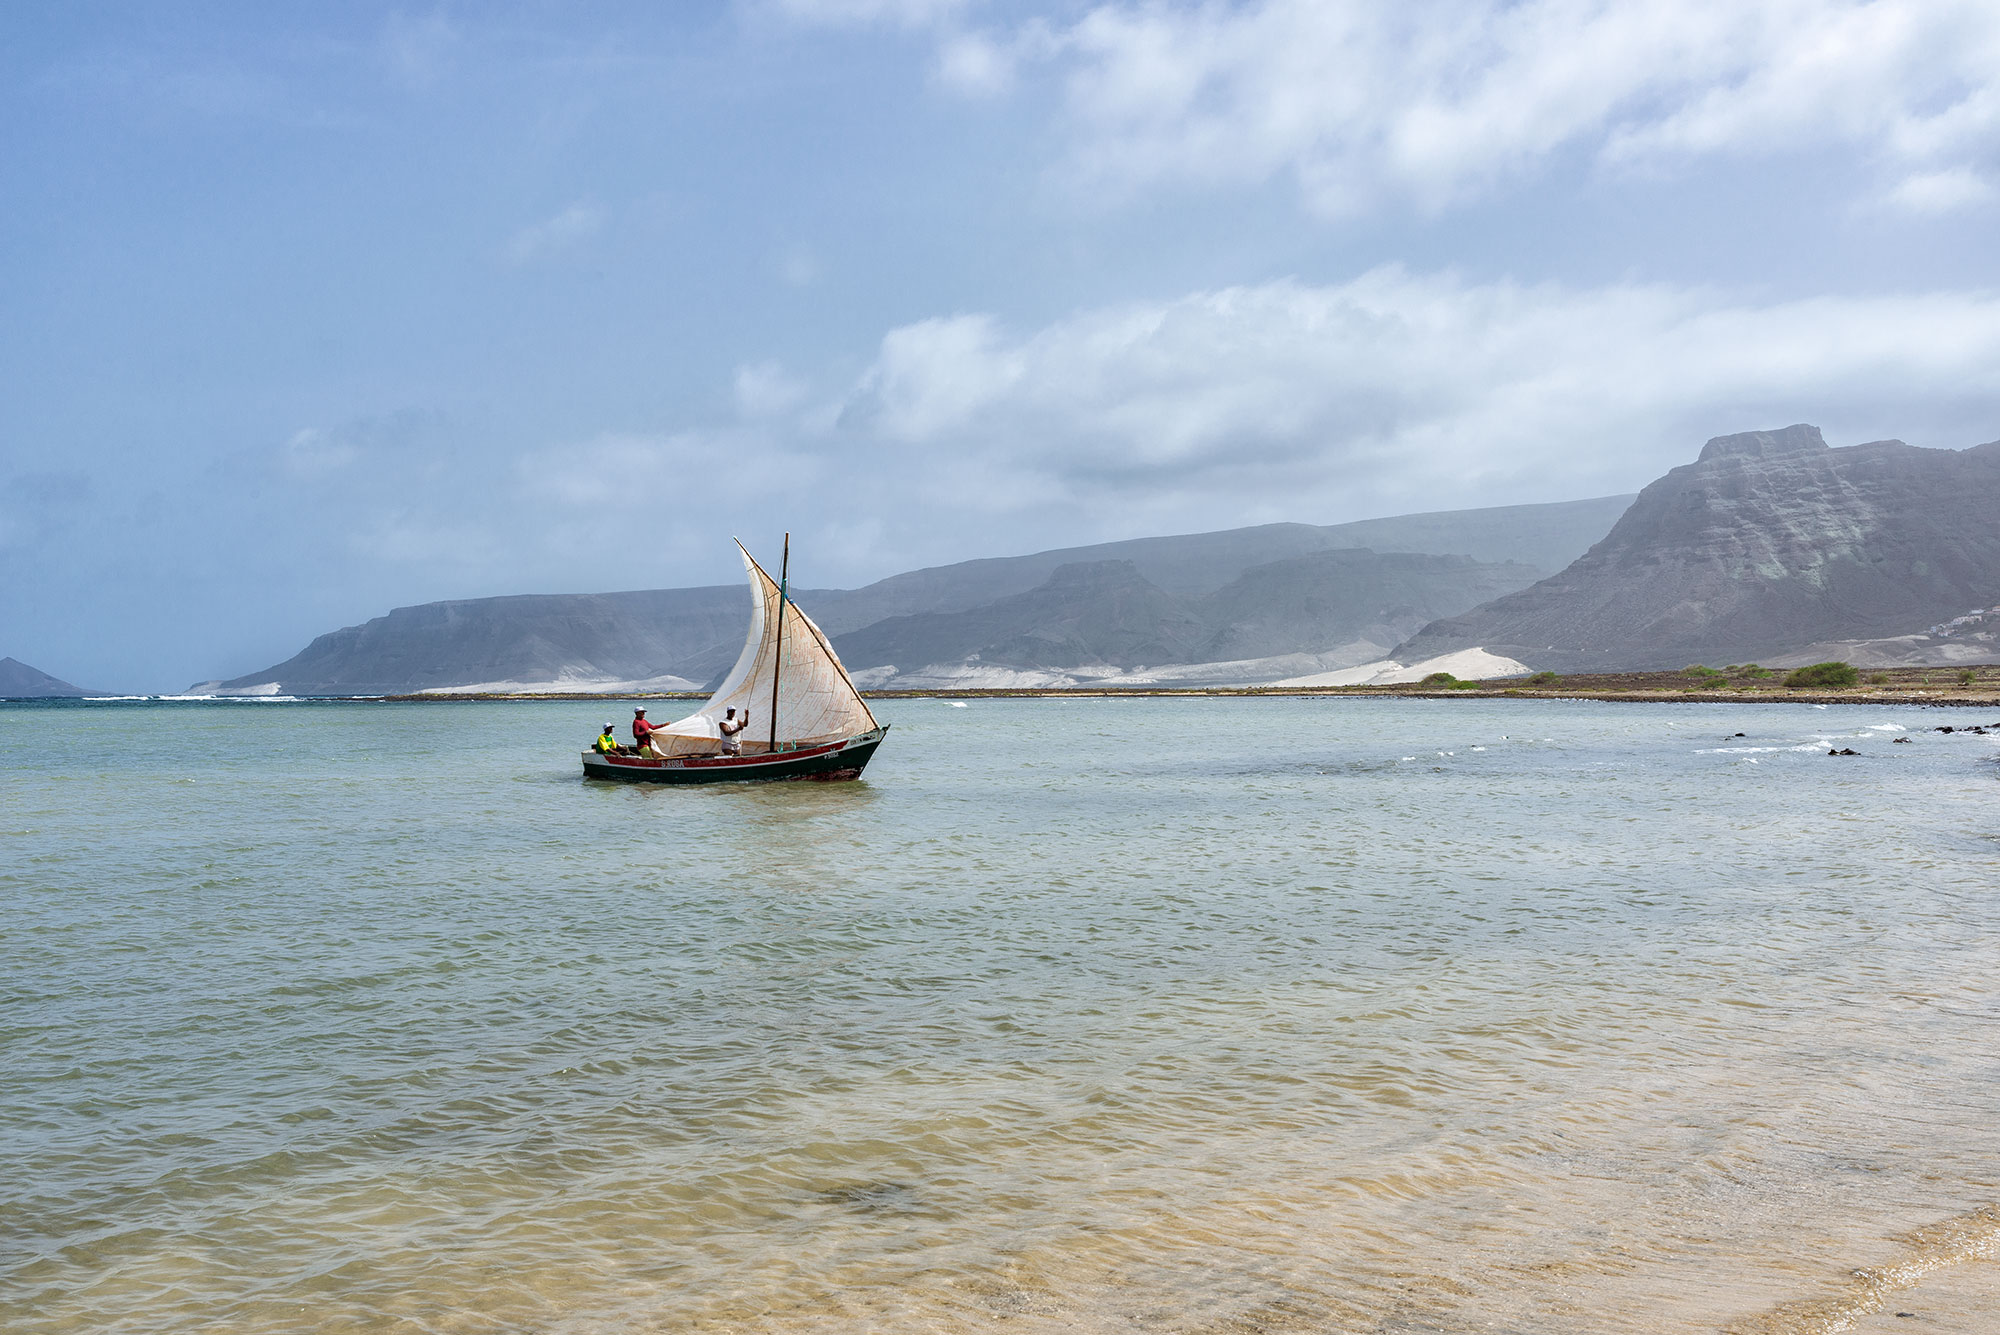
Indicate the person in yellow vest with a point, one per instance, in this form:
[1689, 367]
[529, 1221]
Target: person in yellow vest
[606, 744]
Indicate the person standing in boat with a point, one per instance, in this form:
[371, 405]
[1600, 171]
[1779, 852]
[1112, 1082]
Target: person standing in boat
[729, 725]
[642, 732]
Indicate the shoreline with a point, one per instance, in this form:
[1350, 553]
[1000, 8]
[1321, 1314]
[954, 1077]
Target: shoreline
[1889, 686]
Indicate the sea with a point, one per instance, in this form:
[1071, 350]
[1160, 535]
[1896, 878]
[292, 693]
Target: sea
[1074, 1015]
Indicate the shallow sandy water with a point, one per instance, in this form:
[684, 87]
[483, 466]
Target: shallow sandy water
[1238, 1015]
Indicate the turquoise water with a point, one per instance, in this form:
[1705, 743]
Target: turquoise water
[1181, 1014]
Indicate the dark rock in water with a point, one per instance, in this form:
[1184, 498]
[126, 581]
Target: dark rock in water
[1770, 542]
[1738, 734]
[1945, 728]
[891, 1197]
[1903, 740]
[1844, 751]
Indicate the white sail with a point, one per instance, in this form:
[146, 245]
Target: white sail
[816, 699]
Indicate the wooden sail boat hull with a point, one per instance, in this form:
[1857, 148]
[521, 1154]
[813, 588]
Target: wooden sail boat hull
[843, 759]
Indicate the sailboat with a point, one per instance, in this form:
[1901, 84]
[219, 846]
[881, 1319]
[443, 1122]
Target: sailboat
[807, 720]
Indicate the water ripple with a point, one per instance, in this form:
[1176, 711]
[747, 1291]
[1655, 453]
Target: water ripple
[1185, 1015]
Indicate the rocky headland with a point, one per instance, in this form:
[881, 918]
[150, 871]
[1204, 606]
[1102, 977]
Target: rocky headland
[1773, 547]
[18, 681]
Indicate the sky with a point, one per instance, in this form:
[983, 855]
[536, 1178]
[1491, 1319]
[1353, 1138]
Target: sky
[315, 311]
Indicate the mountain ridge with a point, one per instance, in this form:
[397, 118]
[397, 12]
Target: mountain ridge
[695, 633]
[1769, 541]
[1344, 605]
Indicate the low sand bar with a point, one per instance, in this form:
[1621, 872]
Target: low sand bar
[1975, 686]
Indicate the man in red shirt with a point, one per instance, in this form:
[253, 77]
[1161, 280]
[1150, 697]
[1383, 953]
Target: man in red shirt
[642, 732]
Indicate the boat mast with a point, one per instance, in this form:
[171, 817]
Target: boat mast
[778, 658]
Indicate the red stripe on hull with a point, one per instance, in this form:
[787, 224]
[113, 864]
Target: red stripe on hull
[835, 760]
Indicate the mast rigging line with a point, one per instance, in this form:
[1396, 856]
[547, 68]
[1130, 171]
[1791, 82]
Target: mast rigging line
[778, 654]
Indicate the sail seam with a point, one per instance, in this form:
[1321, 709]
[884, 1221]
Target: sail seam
[820, 638]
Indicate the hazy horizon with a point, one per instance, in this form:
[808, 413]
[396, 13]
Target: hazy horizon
[319, 313]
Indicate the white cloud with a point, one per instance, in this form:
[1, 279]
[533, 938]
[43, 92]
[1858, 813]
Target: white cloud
[1389, 393]
[934, 376]
[1395, 391]
[975, 65]
[965, 436]
[574, 225]
[1379, 101]
[1942, 192]
[766, 390]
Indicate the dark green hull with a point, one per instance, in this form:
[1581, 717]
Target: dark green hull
[834, 760]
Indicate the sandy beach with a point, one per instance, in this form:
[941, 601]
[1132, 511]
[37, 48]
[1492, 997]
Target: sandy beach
[1888, 686]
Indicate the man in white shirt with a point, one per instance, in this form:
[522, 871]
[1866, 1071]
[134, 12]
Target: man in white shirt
[729, 726]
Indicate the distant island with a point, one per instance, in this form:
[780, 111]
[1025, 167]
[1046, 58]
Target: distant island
[1771, 547]
[18, 681]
